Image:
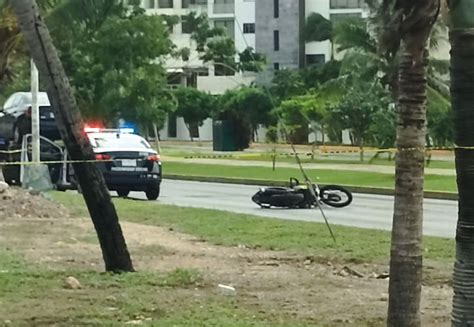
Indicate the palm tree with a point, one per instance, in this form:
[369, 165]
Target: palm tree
[9, 39]
[462, 89]
[10, 34]
[408, 27]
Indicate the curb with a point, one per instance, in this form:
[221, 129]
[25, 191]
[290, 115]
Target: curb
[262, 182]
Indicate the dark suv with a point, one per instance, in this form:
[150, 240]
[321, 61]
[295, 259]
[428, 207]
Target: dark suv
[15, 118]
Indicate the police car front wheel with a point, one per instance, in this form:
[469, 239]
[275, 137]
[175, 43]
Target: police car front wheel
[153, 193]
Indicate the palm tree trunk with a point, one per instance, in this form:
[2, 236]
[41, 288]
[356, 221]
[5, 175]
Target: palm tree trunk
[462, 90]
[406, 249]
[70, 125]
[157, 138]
[361, 148]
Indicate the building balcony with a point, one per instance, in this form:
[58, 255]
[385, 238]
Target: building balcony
[223, 8]
[195, 4]
[347, 4]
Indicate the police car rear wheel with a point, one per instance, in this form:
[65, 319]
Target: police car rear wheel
[123, 193]
[152, 193]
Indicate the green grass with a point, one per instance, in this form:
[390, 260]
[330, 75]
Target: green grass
[331, 159]
[230, 229]
[37, 296]
[344, 177]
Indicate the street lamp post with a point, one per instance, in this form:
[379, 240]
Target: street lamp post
[35, 116]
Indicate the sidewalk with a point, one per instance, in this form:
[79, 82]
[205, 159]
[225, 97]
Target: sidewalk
[205, 147]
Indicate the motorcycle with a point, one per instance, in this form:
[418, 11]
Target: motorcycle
[300, 196]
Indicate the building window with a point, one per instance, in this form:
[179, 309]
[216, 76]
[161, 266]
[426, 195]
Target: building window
[276, 66]
[226, 25]
[224, 7]
[347, 4]
[315, 60]
[150, 4]
[186, 27]
[276, 8]
[249, 28]
[203, 71]
[165, 3]
[337, 18]
[187, 3]
[223, 70]
[276, 40]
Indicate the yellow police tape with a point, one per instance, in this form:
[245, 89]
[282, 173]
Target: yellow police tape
[10, 151]
[32, 163]
[247, 155]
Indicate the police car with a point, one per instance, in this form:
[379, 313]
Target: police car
[129, 162]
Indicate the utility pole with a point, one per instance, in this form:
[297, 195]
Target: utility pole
[35, 115]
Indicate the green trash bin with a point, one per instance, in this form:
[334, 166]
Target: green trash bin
[223, 135]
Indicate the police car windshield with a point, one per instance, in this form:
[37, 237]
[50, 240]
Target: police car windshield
[117, 141]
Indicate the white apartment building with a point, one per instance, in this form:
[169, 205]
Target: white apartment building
[272, 27]
[237, 17]
[279, 26]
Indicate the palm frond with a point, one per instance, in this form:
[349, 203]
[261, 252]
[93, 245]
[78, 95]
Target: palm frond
[353, 34]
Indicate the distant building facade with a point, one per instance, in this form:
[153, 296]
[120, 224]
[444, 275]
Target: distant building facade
[280, 26]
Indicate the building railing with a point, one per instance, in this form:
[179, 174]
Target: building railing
[223, 8]
[347, 4]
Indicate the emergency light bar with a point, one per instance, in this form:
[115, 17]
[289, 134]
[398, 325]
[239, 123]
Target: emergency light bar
[109, 130]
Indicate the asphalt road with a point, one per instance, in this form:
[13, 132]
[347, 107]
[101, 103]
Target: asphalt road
[367, 211]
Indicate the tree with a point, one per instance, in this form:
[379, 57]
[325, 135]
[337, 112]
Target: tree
[409, 25]
[252, 105]
[291, 113]
[194, 106]
[440, 126]
[318, 29]
[358, 110]
[287, 83]
[131, 85]
[215, 46]
[10, 37]
[70, 124]
[462, 75]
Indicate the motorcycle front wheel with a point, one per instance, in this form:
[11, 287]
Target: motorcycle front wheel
[335, 196]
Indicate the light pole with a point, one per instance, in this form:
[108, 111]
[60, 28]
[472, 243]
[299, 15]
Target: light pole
[35, 115]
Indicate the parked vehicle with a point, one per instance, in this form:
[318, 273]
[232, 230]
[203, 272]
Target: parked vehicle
[129, 162]
[300, 196]
[15, 118]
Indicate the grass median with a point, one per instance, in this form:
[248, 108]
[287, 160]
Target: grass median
[344, 177]
[231, 229]
[332, 159]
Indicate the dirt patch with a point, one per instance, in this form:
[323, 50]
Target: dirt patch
[270, 282]
[19, 203]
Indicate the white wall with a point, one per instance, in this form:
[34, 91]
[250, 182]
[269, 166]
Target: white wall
[220, 84]
[244, 14]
